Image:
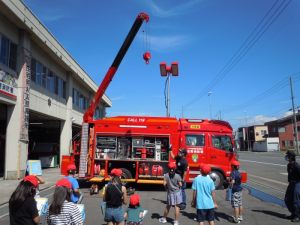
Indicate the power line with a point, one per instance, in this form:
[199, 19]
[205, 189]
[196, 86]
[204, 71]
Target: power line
[251, 40]
[273, 89]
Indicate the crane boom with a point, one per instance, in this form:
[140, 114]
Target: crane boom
[89, 114]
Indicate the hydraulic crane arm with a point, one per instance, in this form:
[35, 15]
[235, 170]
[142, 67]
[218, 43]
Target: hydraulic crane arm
[88, 115]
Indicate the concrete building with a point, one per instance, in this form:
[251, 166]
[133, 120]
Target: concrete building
[43, 92]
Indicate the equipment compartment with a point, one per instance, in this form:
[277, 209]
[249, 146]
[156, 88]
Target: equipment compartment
[150, 148]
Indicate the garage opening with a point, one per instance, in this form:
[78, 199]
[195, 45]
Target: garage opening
[44, 139]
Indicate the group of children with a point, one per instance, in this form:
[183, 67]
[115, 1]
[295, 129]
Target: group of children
[203, 198]
[62, 210]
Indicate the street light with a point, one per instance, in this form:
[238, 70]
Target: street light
[209, 94]
[166, 71]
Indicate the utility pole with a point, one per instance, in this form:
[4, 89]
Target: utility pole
[247, 131]
[295, 118]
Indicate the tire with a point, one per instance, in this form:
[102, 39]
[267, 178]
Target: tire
[126, 174]
[218, 179]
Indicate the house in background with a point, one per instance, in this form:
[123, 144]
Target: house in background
[247, 136]
[283, 128]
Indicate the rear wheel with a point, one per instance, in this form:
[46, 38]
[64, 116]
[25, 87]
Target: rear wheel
[218, 178]
[126, 174]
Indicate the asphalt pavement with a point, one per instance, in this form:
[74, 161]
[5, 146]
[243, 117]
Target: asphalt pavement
[266, 173]
[153, 198]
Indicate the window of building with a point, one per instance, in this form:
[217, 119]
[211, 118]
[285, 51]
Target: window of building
[291, 144]
[33, 70]
[8, 52]
[50, 81]
[79, 100]
[12, 56]
[4, 51]
[97, 114]
[45, 78]
[263, 132]
[60, 87]
[281, 129]
[38, 73]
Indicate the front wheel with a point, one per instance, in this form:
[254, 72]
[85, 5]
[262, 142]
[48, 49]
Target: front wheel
[218, 179]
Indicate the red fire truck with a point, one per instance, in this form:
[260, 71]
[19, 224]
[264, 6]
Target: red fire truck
[141, 145]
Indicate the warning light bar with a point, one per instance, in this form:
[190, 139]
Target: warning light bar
[194, 120]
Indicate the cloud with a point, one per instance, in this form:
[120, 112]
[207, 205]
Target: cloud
[260, 120]
[174, 11]
[52, 17]
[163, 43]
[288, 113]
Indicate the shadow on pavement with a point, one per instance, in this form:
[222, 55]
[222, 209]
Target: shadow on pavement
[279, 215]
[222, 215]
[218, 215]
[155, 216]
[162, 201]
[190, 215]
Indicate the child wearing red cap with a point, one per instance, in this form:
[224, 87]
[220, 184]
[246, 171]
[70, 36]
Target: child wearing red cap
[62, 211]
[172, 183]
[135, 213]
[22, 206]
[75, 195]
[204, 196]
[236, 194]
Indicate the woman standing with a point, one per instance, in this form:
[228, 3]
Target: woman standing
[115, 195]
[22, 206]
[62, 211]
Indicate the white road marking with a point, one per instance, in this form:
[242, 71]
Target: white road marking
[285, 174]
[265, 163]
[267, 179]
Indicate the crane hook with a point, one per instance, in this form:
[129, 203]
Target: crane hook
[147, 57]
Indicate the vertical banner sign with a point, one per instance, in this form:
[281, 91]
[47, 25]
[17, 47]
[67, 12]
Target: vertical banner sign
[26, 93]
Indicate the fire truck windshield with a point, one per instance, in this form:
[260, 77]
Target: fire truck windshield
[222, 142]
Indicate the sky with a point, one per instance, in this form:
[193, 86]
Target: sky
[235, 57]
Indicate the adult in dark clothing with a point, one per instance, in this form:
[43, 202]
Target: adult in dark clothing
[181, 168]
[292, 195]
[22, 205]
[115, 195]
